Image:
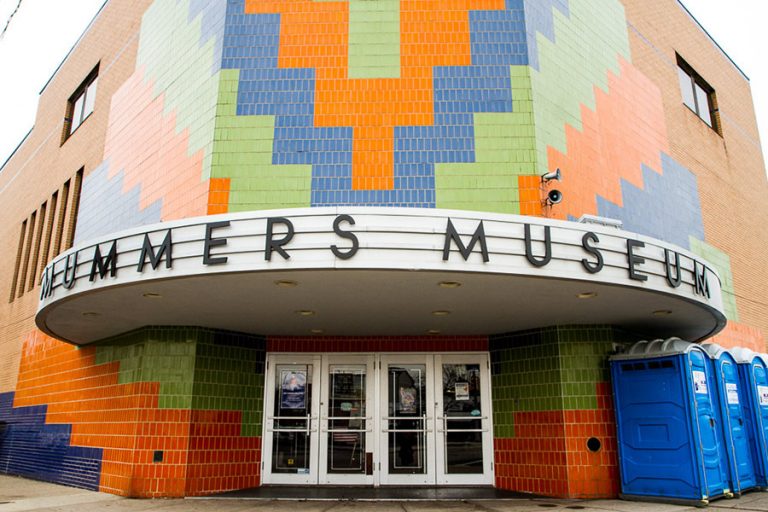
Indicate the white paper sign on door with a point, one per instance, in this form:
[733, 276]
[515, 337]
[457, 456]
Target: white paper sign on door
[763, 392]
[699, 382]
[733, 393]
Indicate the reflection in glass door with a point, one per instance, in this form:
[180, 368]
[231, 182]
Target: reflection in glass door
[463, 422]
[407, 445]
[291, 422]
[364, 419]
[346, 453]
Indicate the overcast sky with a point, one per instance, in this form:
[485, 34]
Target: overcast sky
[43, 31]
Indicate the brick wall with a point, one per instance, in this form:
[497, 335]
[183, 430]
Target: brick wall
[98, 417]
[41, 164]
[211, 107]
[730, 170]
[551, 394]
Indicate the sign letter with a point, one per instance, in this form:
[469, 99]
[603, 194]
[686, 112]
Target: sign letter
[538, 262]
[634, 260]
[69, 281]
[345, 234]
[452, 234]
[154, 259]
[46, 286]
[674, 282]
[277, 245]
[592, 268]
[701, 284]
[104, 263]
[213, 242]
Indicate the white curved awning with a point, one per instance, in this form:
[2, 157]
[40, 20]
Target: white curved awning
[377, 271]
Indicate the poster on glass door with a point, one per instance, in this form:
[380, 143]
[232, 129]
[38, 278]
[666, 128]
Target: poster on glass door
[293, 389]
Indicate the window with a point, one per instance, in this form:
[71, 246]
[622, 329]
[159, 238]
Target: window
[81, 104]
[697, 94]
[43, 234]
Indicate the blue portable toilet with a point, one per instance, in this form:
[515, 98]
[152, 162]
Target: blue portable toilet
[670, 443]
[753, 370]
[732, 400]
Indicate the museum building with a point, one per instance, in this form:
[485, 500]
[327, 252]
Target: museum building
[368, 242]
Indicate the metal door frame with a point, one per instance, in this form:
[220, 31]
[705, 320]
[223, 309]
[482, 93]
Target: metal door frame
[368, 429]
[442, 477]
[273, 361]
[376, 421]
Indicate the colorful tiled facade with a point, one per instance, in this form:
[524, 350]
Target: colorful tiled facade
[219, 107]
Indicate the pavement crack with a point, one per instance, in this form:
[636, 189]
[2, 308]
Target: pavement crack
[479, 506]
[336, 504]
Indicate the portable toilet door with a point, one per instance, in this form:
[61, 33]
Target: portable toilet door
[713, 450]
[670, 443]
[734, 420]
[753, 370]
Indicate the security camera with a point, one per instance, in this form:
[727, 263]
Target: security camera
[554, 197]
[555, 175]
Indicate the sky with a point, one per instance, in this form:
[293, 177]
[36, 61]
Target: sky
[28, 59]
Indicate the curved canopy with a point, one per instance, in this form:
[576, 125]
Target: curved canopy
[374, 272]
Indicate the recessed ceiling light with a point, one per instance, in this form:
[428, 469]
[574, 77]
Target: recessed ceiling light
[152, 295]
[286, 283]
[316, 331]
[662, 312]
[587, 295]
[433, 331]
[305, 312]
[91, 314]
[441, 312]
[449, 284]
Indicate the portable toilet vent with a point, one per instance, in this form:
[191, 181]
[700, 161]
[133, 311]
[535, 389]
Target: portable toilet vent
[670, 442]
[753, 370]
[735, 423]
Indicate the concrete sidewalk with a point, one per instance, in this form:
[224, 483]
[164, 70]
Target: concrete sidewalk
[19, 494]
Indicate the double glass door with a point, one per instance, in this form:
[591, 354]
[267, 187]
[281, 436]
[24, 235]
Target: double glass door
[402, 419]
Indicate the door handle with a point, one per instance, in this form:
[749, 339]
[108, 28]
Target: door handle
[712, 422]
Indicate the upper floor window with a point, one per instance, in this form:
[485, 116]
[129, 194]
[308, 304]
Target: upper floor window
[697, 94]
[81, 103]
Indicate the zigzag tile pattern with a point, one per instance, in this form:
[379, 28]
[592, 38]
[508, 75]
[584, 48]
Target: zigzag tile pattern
[667, 207]
[161, 123]
[125, 209]
[396, 129]
[539, 20]
[31, 448]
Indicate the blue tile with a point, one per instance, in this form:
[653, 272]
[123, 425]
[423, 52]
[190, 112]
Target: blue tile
[667, 207]
[30, 448]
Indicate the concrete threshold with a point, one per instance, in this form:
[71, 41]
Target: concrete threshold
[363, 493]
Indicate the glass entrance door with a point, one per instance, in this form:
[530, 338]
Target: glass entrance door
[365, 419]
[407, 420]
[347, 407]
[291, 420]
[436, 422]
[463, 423]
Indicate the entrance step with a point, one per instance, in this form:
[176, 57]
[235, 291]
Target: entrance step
[388, 493]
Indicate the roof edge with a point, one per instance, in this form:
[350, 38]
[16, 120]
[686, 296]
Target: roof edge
[706, 32]
[85, 31]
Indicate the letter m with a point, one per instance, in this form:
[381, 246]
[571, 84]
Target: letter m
[701, 284]
[46, 285]
[154, 258]
[104, 263]
[452, 235]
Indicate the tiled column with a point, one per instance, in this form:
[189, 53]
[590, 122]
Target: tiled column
[550, 396]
